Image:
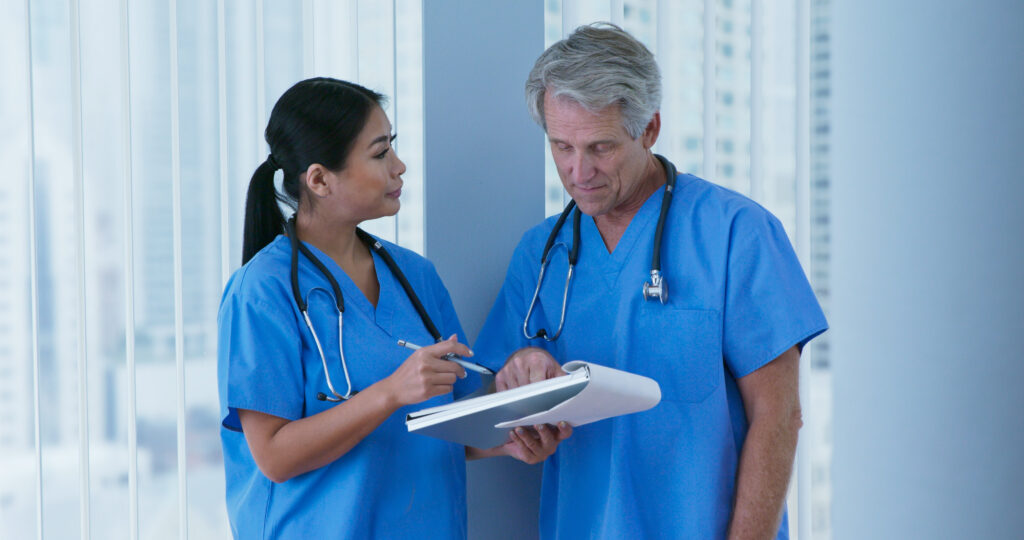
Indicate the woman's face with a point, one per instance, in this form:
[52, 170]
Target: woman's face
[369, 184]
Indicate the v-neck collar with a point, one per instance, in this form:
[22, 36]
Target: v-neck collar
[383, 314]
[609, 265]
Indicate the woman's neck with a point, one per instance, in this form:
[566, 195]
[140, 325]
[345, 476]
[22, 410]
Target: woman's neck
[337, 240]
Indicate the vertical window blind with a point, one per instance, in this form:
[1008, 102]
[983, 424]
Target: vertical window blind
[131, 131]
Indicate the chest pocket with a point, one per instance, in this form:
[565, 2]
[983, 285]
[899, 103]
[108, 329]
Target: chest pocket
[679, 348]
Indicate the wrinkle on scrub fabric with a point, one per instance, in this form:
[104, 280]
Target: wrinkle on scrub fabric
[738, 298]
[392, 484]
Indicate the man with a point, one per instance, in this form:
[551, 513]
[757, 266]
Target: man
[713, 459]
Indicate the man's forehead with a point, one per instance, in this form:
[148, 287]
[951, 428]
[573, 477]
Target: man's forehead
[565, 117]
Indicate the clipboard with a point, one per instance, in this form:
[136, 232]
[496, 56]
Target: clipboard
[587, 393]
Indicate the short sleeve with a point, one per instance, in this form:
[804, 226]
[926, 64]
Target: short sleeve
[259, 361]
[769, 304]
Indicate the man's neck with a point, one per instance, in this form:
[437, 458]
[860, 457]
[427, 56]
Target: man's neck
[613, 224]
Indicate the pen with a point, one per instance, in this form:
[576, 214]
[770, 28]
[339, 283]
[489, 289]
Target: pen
[453, 357]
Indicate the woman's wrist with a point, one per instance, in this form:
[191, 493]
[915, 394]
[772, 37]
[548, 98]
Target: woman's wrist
[384, 398]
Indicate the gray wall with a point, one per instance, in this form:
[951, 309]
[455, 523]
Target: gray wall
[485, 187]
[928, 262]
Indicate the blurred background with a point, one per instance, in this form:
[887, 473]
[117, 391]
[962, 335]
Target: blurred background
[884, 135]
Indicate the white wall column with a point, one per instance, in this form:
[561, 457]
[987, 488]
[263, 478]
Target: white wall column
[484, 181]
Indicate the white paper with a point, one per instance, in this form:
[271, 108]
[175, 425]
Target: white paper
[609, 392]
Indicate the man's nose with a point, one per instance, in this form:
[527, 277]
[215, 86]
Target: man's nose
[582, 168]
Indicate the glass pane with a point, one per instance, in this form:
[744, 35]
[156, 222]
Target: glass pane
[820, 387]
[17, 410]
[103, 149]
[408, 119]
[732, 95]
[555, 197]
[679, 50]
[778, 112]
[376, 47]
[57, 248]
[246, 148]
[201, 249]
[156, 374]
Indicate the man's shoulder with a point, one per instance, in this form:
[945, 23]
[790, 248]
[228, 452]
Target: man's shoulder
[709, 201]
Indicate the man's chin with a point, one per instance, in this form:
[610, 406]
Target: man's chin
[591, 208]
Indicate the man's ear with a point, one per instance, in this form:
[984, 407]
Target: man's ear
[650, 135]
[316, 180]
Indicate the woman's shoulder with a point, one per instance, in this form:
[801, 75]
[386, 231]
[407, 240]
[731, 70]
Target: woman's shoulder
[264, 277]
[410, 262]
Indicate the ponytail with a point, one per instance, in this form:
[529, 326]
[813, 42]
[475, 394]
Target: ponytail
[263, 217]
[314, 121]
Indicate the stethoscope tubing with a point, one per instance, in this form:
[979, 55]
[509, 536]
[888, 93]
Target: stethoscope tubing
[657, 288]
[378, 248]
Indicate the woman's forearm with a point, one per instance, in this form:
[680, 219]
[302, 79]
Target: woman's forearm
[284, 449]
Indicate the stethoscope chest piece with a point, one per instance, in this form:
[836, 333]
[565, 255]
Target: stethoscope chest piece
[657, 287]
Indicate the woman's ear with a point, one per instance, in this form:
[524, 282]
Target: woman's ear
[316, 180]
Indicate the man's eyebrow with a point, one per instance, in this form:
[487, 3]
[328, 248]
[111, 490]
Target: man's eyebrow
[589, 144]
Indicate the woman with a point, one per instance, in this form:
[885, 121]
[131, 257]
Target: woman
[314, 387]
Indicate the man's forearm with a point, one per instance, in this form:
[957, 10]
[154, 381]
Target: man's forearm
[766, 463]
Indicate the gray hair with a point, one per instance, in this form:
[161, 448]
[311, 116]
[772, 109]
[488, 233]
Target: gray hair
[598, 65]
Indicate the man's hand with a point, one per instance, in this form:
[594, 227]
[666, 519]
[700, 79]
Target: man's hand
[529, 445]
[527, 366]
[533, 445]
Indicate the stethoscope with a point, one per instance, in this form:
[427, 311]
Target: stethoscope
[657, 287]
[376, 247]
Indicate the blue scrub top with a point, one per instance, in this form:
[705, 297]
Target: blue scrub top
[738, 299]
[392, 484]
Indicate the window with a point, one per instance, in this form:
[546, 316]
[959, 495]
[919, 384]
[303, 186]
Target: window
[125, 222]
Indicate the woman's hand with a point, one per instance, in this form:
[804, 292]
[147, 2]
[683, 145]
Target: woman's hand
[426, 373]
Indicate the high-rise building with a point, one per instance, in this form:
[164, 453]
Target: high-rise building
[820, 387]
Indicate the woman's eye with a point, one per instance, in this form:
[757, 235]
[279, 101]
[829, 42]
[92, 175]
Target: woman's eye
[382, 154]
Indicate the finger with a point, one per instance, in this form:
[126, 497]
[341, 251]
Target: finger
[521, 450]
[520, 376]
[455, 338]
[501, 381]
[449, 346]
[438, 365]
[548, 442]
[443, 378]
[537, 372]
[554, 370]
[440, 389]
[528, 441]
[564, 431]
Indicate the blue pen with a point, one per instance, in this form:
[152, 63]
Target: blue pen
[453, 357]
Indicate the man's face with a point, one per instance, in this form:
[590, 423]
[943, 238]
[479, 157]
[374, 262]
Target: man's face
[599, 164]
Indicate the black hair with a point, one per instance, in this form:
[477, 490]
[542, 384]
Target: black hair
[315, 121]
